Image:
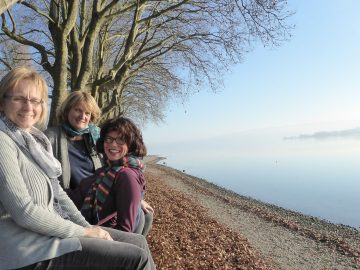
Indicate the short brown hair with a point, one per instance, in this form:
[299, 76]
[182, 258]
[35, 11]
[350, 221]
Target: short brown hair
[75, 98]
[129, 133]
[12, 78]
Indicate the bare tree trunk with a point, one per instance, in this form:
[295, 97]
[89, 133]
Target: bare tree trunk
[60, 35]
[60, 81]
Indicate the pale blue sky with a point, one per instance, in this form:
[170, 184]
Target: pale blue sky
[312, 80]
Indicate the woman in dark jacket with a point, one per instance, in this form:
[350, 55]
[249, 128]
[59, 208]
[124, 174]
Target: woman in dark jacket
[74, 143]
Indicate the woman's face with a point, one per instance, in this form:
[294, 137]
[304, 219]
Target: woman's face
[23, 104]
[79, 117]
[114, 148]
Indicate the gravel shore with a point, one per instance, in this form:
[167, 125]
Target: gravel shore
[271, 237]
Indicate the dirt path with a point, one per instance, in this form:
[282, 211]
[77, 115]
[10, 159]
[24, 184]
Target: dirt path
[286, 240]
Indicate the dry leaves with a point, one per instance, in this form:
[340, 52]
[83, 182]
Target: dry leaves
[185, 237]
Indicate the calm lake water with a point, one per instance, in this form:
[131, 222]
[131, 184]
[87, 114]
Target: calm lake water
[318, 176]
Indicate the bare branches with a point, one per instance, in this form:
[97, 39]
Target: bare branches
[8, 66]
[20, 39]
[136, 55]
[38, 11]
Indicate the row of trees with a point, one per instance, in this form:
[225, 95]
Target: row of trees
[135, 55]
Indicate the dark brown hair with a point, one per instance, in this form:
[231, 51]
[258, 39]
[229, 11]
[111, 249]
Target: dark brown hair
[128, 132]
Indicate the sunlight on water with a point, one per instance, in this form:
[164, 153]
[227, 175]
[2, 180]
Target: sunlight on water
[319, 177]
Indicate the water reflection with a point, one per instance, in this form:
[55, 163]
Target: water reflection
[316, 177]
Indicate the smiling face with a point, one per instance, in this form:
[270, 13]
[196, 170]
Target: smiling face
[79, 117]
[18, 107]
[113, 150]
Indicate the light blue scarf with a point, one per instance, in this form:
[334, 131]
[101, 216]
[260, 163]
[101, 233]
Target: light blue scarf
[92, 129]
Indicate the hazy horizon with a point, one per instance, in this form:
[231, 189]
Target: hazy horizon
[315, 177]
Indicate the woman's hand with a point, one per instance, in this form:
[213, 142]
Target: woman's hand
[97, 232]
[146, 207]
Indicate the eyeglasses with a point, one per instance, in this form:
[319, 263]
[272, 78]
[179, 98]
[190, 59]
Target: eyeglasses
[118, 140]
[23, 100]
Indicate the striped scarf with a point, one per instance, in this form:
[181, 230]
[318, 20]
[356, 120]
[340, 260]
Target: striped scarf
[100, 189]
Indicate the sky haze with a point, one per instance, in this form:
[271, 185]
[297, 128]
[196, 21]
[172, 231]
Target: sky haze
[311, 82]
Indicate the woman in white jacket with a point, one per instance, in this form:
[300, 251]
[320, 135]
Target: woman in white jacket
[40, 227]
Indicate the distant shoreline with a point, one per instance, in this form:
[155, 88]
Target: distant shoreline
[154, 159]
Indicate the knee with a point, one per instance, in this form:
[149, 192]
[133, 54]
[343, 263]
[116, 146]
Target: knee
[140, 222]
[142, 240]
[148, 223]
[141, 259]
[149, 217]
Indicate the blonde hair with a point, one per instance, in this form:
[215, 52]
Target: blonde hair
[75, 98]
[11, 79]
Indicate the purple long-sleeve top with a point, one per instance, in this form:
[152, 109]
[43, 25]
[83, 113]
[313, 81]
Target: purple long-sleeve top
[124, 198]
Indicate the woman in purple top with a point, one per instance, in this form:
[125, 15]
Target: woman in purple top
[112, 196]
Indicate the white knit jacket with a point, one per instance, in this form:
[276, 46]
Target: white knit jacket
[30, 230]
